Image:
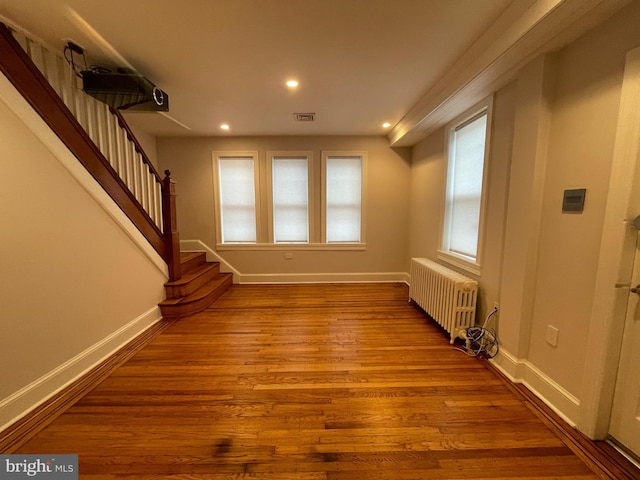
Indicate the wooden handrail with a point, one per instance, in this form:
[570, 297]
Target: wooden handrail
[130, 135]
[16, 65]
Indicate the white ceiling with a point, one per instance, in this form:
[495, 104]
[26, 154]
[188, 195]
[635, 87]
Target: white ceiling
[359, 62]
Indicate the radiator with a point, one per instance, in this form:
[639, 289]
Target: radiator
[446, 296]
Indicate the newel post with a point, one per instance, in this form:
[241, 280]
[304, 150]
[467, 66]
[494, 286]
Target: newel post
[169, 219]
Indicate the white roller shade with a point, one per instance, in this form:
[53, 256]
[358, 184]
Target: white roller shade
[290, 181]
[237, 199]
[343, 199]
[465, 186]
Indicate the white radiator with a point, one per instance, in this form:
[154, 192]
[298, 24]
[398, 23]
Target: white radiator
[447, 296]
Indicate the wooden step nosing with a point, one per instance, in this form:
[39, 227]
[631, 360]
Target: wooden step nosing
[192, 287]
[196, 304]
[193, 274]
[201, 292]
[197, 294]
[192, 260]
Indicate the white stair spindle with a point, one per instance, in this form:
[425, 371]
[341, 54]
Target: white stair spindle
[159, 204]
[36, 54]
[101, 125]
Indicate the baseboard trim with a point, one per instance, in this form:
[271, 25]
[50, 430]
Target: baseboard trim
[42, 401]
[562, 402]
[599, 456]
[292, 278]
[297, 278]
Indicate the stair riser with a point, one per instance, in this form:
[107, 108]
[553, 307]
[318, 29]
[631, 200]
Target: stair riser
[193, 285]
[193, 263]
[181, 310]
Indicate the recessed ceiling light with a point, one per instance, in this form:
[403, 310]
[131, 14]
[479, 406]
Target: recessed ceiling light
[224, 126]
[292, 83]
[386, 125]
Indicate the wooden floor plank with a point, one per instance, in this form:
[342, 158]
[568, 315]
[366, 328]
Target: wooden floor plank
[307, 382]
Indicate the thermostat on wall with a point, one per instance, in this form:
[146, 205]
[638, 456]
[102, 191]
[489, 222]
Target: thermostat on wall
[573, 200]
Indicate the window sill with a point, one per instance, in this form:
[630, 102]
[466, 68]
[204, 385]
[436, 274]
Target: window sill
[266, 247]
[461, 262]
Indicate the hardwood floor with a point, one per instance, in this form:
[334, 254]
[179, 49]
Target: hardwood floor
[307, 382]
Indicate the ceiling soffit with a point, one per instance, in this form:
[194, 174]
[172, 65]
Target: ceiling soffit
[526, 29]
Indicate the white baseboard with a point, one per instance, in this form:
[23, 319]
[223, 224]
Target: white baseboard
[566, 405]
[289, 278]
[31, 396]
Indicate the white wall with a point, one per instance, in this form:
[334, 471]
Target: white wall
[387, 204]
[148, 143]
[554, 129]
[428, 182]
[566, 114]
[584, 113]
[76, 281]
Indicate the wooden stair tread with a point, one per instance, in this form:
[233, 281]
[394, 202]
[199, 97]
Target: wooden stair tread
[201, 292]
[193, 274]
[192, 260]
[201, 283]
[198, 300]
[185, 256]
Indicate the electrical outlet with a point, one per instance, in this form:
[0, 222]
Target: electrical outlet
[552, 336]
[288, 256]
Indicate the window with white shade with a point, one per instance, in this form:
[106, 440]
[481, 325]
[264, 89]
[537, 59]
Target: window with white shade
[287, 200]
[343, 194]
[463, 213]
[237, 198]
[290, 199]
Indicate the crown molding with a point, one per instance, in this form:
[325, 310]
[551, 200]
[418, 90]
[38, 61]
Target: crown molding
[525, 30]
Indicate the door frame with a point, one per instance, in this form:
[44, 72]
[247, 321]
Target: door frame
[615, 263]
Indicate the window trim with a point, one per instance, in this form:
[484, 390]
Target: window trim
[310, 192]
[470, 265]
[217, 155]
[263, 184]
[290, 247]
[363, 195]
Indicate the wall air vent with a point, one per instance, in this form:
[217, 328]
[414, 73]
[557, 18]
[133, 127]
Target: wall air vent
[304, 117]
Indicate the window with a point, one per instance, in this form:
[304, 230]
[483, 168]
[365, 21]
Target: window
[466, 157]
[285, 200]
[343, 193]
[290, 198]
[237, 198]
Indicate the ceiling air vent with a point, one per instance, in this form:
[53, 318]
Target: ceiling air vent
[304, 117]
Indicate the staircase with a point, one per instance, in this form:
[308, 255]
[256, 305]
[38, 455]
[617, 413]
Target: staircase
[103, 143]
[201, 283]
